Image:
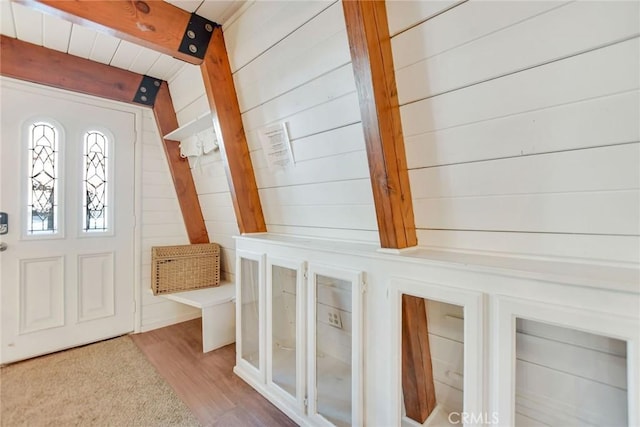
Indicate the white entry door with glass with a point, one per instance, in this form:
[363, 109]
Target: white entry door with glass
[67, 187]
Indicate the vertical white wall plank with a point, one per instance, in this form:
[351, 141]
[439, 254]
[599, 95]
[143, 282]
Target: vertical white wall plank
[56, 33]
[143, 62]
[125, 54]
[103, 48]
[7, 26]
[81, 42]
[28, 24]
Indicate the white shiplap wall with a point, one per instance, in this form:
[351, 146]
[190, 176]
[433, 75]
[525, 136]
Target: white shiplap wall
[522, 137]
[521, 125]
[298, 70]
[291, 63]
[162, 224]
[568, 377]
[190, 101]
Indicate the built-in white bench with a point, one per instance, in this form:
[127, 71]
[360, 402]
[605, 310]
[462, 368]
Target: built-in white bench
[218, 313]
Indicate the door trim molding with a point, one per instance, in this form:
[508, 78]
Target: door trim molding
[137, 209]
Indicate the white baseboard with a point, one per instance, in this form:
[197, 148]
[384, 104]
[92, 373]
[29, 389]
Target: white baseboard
[157, 324]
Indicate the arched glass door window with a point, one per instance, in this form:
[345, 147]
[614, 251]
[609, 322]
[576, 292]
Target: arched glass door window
[95, 181]
[43, 179]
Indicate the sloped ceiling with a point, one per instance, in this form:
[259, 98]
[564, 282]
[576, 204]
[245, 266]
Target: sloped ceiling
[49, 31]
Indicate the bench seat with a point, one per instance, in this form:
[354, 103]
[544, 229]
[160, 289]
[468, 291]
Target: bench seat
[218, 313]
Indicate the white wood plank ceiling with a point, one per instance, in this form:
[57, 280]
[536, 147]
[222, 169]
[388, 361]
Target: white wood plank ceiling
[41, 29]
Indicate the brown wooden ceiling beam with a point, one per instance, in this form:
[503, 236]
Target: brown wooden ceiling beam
[180, 169]
[227, 122]
[36, 64]
[372, 61]
[155, 24]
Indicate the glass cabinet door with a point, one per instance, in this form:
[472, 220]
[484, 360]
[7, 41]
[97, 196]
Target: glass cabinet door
[285, 323]
[335, 343]
[249, 315]
[587, 375]
[453, 340]
[559, 365]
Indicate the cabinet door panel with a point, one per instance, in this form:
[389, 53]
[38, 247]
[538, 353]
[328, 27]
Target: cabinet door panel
[250, 315]
[334, 306]
[285, 330]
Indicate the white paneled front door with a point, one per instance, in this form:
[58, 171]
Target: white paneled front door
[67, 185]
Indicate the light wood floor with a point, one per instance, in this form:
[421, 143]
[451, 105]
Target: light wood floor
[206, 382]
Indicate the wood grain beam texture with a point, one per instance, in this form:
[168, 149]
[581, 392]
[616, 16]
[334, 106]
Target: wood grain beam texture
[372, 61]
[371, 56]
[155, 24]
[161, 26]
[227, 122]
[417, 370]
[36, 64]
[180, 169]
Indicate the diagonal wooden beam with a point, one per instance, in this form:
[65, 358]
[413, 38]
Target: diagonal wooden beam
[124, 20]
[180, 169]
[372, 60]
[36, 64]
[227, 122]
[417, 371]
[155, 24]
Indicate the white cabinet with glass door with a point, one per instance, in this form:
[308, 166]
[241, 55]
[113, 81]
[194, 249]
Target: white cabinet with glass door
[335, 317]
[300, 342]
[285, 338]
[250, 326]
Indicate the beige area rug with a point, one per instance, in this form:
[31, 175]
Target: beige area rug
[109, 383]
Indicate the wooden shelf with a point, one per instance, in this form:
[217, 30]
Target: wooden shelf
[191, 128]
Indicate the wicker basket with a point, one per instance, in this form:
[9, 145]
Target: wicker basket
[184, 267]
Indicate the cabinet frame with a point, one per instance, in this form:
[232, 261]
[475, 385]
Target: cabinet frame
[241, 364]
[508, 309]
[357, 385]
[301, 325]
[474, 350]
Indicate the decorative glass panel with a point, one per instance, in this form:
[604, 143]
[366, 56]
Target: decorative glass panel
[42, 199]
[95, 194]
